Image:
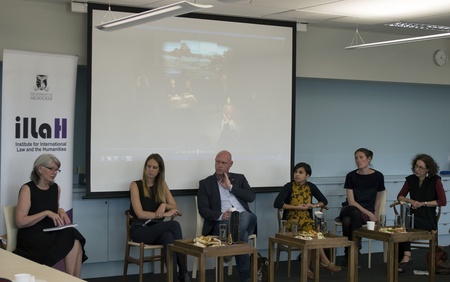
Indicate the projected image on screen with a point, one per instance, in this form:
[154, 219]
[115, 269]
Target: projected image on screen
[191, 61]
[187, 88]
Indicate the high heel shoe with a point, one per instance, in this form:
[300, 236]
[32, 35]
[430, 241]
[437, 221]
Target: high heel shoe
[330, 267]
[403, 265]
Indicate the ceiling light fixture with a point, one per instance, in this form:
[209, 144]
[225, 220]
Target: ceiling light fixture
[171, 10]
[398, 41]
[420, 26]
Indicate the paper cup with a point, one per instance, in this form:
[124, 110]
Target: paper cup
[371, 225]
[23, 277]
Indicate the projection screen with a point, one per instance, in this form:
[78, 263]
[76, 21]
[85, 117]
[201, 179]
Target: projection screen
[187, 87]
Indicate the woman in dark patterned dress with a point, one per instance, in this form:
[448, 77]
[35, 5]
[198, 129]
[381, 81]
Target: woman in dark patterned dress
[296, 199]
[38, 208]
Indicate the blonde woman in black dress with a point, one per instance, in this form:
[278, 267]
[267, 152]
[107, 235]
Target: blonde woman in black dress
[38, 208]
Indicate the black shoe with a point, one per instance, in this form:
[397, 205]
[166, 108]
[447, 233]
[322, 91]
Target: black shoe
[184, 277]
[402, 266]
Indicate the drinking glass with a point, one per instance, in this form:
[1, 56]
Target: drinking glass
[323, 227]
[398, 221]
[382, 220]
[283, 226]
[223, 232]
[294, 227]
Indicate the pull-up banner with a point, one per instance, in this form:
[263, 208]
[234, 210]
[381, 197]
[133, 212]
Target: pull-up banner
[38, 104]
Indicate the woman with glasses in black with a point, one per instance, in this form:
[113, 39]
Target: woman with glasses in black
[37, 209]
[426, 192]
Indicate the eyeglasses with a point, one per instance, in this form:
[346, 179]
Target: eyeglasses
[419, 167]
[57, 170]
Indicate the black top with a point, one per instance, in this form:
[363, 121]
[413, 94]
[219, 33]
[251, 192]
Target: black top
[424, 217]
[46, 247]
[365, 188]
[148, 203]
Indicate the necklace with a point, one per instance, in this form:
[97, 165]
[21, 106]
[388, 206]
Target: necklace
[43, 186]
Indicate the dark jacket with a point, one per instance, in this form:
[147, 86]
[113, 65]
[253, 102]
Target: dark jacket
[208, 198]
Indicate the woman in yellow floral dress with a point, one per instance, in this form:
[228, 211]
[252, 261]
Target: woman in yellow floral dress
[296, 200]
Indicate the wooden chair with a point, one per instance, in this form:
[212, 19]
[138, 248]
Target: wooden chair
[198, 232]
[284, 248]
[9, 212]
[419, 244]
[382, 212]
[142, 248]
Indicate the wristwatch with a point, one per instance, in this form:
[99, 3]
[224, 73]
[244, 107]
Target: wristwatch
[317, 206]
[426, 204]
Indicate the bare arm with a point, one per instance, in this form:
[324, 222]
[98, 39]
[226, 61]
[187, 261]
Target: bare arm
[377, 205]
[170, 207]
[137, 206]
[23, 207]
[352, 202]
[61, 212]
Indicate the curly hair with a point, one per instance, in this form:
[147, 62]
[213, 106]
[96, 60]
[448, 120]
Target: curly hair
[430, 164]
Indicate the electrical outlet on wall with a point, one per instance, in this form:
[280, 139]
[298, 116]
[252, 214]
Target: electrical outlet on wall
[82, 179]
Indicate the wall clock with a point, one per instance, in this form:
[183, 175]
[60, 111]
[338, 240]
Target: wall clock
[440, 58]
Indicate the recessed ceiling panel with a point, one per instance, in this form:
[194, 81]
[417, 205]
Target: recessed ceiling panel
[325, 13]
[382, 8]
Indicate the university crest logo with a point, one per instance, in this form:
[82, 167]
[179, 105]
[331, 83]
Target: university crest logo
[41, 83]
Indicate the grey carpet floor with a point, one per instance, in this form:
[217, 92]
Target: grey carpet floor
[376, 273]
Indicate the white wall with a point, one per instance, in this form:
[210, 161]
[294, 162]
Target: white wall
[321, 54]
[43, 27]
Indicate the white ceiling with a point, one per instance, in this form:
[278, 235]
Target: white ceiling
[369, 15]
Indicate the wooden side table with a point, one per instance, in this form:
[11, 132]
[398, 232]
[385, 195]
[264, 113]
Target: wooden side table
[187, 247]
[330, 241]
[392, 240]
